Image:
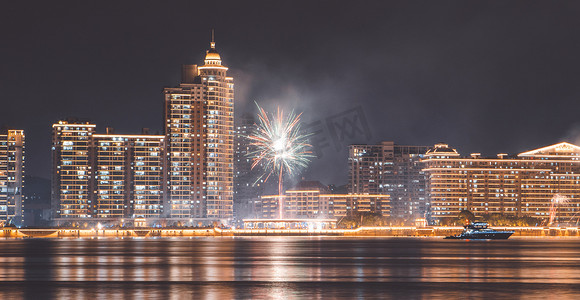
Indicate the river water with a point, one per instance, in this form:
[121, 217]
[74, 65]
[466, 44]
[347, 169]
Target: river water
[289, 268]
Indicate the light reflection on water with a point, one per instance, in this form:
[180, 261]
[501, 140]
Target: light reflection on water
[288, 267]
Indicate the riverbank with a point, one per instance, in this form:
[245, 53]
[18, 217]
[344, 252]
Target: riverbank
[192, 232]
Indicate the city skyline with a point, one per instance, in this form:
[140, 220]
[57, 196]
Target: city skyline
[187, 174]
[491, 77]
[290, 149]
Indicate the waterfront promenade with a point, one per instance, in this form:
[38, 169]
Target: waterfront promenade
[435, 231]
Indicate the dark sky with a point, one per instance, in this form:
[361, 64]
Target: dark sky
[483, 76]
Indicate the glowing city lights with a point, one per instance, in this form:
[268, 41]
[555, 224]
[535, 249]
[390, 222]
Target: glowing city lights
[280, 145]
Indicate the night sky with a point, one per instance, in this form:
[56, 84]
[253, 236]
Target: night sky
[483, 76]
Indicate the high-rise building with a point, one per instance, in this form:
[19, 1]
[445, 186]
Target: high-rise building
[199, 127]
[106, 176]
[129, 176]
[72, 170]
[183, 176]
[537, 183]
[248, 184]
[390, 169]
[243, 180]
[11, 176]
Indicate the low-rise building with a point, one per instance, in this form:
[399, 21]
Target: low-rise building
[312, 199]
[540, 183]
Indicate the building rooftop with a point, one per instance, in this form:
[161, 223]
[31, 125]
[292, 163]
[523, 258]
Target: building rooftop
[442, 149]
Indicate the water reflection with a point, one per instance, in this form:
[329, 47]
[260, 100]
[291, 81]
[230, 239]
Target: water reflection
[281, 268]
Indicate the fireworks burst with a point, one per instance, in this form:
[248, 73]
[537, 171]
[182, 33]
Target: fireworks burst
[280, 146]
[557, 200]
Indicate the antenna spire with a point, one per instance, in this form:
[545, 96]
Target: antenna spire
[212, 44]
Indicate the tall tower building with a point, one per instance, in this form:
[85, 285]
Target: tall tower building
[199, 128]
[242, 162]
[11, 176]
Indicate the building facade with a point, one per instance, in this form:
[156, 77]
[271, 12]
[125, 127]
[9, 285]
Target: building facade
[540, 183]
[12, 156]
[129, 176]
[199, 127]
[244, 187]
[313, 200]
[248, 182]
[394, 170]
[106, 177]
[72, 160]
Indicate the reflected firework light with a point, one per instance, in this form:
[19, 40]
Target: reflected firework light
[280, 146]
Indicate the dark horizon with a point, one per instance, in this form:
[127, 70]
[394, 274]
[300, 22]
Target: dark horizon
[482, 76]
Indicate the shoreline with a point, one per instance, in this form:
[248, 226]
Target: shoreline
[435, 231]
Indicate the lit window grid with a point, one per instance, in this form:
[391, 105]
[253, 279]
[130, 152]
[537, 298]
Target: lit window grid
[219, 160]
[519, 187]
[147, 179]
[313, 204]
[110, 188]
[73, 172]
[12, 157]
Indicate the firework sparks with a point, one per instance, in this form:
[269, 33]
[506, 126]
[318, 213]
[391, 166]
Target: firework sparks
[280, 146]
